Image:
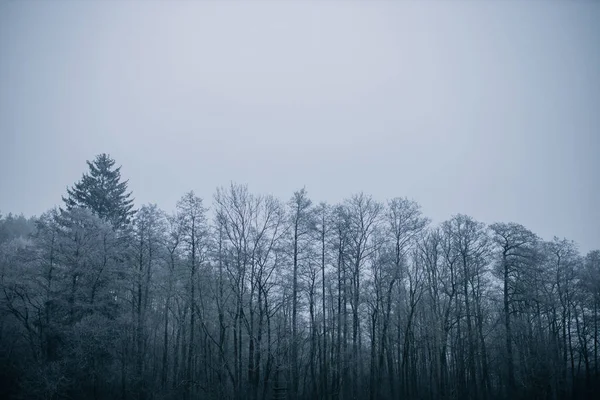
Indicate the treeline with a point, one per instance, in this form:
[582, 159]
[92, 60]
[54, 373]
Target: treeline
[263, 299]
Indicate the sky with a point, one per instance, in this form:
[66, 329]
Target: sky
[490, 109]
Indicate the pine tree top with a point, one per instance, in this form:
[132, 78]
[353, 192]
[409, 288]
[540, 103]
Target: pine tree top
[102, 191]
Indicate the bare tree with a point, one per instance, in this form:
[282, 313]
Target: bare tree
[515, 245]
[301, 226]
[194, 233]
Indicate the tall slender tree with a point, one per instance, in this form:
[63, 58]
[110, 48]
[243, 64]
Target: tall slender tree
[300, 214]
[192, 218]
[515, 245]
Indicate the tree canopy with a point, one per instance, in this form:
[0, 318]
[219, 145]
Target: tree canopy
[265, 299]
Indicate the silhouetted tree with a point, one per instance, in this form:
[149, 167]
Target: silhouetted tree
[102, 191]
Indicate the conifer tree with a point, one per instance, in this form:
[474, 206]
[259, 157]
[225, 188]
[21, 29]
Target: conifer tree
[102, 191]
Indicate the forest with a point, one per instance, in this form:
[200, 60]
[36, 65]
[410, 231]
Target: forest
[247, 296]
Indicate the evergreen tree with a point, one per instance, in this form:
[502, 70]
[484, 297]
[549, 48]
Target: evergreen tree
[102, 191]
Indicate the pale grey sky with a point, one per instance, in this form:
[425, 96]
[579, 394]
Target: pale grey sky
[491, 109]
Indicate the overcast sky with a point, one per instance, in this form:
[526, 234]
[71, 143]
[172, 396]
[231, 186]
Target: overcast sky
[490, 109]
